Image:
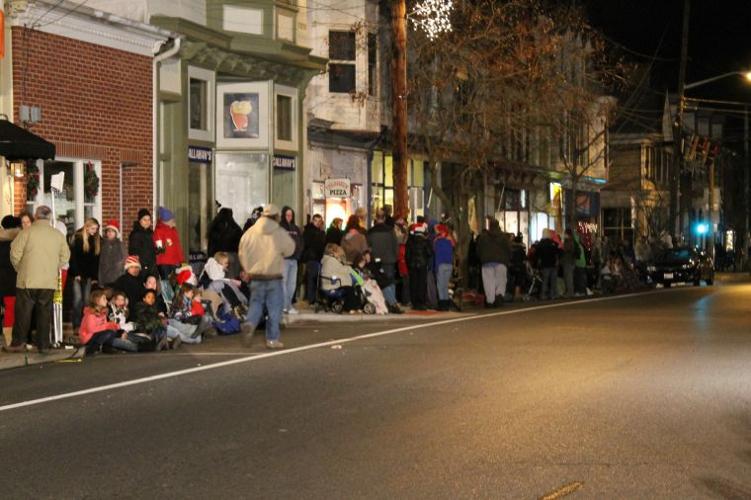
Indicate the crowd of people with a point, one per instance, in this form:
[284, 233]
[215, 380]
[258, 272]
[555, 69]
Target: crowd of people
[144, 296]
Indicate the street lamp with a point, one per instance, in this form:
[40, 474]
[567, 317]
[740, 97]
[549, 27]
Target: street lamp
[745, 74]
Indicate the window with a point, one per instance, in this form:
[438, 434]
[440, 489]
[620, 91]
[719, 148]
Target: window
[283, 118]
[342, 74]
[372, 64]
[200, 201]
[242, 181]
[198, 104]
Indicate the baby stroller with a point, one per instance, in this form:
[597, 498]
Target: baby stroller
[535, 285]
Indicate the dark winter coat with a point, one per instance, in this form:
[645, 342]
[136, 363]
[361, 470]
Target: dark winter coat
[419, 252]
[84, 264]
[334, 235]
[383, 243]
[147, 318]
[141, 243]
[224, 233]
[518, 255]
[111, 260]
[132, 287]
[7, 272]
[294, 233]
[494, 246]
[314, 241]
[546, 253]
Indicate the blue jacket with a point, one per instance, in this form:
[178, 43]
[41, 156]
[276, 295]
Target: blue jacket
[443, 251]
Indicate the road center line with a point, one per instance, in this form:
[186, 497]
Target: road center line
[293, 350]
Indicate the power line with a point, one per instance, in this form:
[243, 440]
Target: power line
[69, 12]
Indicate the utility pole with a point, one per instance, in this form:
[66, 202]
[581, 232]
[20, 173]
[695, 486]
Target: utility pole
[746, 190]
[677, 164]
[399, 99]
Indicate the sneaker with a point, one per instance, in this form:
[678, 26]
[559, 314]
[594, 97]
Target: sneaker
[247, 330]
[292, 310]
[177, 342]
[274, 344]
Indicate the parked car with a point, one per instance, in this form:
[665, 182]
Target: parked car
[677, 265]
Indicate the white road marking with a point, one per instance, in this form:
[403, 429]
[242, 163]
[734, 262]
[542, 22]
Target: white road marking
[293, 350]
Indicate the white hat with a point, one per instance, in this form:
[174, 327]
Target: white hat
[270, 210]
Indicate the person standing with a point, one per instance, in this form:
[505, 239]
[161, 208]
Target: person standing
[384, 249]
[491, 251]
[9, 229]
[291, 263]
[84, 266]
[113, 254]
[335, 233]
[354, 242]
[443, 248]
[418, 257]
[263, 249]
[37, 254]
[547, 255]
[314, 241]
[169, 252]
[141, 242]
[568, 261]
[224, 236]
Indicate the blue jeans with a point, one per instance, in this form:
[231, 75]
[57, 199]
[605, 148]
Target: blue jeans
[549, 277]
[442, 278]
[270, 294]
[289, 282]
[81, 292]
[312, 269]
[183, 330]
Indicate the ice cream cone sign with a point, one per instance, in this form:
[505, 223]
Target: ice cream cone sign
[239, 110]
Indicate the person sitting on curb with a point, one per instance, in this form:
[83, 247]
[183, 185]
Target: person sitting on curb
[130, 283]
[97, 332]
[263, 249]
[150, 322]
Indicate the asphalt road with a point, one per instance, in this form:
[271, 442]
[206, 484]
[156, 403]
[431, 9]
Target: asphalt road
[637, 397]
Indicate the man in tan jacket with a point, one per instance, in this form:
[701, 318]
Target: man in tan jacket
[38, 253]
[263, 248]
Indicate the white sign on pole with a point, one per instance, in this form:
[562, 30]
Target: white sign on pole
[57, 181]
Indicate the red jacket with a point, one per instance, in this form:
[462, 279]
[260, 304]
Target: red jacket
[172, 254]
[197, 309]
[93, 323]
[402, 260]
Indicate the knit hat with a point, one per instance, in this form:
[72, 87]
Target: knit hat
[165, 214]
[10, 222]
[270, 210]
[143, 213]
[113, 225]
[419, 228]
[132, 261]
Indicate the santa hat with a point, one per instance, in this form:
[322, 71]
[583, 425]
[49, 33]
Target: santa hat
[132, 261]
[419, 228]
[183, 274]
[113, 225]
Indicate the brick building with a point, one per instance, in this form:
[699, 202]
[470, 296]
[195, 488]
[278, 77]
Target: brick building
[91, 75]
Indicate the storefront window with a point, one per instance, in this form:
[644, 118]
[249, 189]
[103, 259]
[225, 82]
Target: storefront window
[200, 203]
[72, 204]
[242, 181]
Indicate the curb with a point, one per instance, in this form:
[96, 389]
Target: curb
[11, 360]
[352, 318]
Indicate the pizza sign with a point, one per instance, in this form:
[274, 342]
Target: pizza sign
[336, 188]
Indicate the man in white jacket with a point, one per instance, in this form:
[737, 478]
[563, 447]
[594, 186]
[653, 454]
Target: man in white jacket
[263, 248]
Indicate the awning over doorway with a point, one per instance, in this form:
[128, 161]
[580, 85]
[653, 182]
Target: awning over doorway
[17, 143]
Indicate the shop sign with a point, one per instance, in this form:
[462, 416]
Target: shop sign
[200, 155]
[336, 188]
[283, 162]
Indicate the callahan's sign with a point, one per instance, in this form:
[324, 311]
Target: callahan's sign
[336, 188]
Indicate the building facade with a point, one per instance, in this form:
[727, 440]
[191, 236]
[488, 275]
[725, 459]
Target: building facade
[83, 80]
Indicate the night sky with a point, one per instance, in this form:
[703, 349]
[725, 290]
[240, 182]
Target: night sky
[719, 40]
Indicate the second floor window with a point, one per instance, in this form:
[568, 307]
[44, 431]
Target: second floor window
[342, 51]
